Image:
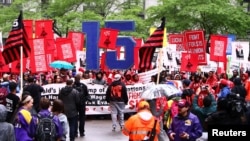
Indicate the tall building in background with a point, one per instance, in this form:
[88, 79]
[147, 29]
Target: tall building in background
[6, 2]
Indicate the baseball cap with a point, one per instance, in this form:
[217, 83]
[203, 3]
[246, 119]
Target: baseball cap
[186, 82]
[142, 104]
[223, 82]
[117, 77]
[183, 103]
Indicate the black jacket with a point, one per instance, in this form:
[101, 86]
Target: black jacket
[71, 100]
[35, 92]
[83, 92]
[239, 88]
[117, 92]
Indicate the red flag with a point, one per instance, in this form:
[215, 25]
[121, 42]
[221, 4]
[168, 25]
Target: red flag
[189, 62]
[108, 38]
[218, 47]
[43, 29]
[38, 56]
[77, 39]
[65, 50]
[17, 38]
[28, 26]
[154, 41]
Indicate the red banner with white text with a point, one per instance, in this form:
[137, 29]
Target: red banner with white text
[65, 50]
[177, 39]
[38, 56]
[77, 39]
[195, 43]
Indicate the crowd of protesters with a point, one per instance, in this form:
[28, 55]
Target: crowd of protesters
[205, 95]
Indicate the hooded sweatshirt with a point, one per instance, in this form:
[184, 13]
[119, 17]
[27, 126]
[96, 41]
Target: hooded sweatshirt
[71, 100]
[6, 129]
[139, 126]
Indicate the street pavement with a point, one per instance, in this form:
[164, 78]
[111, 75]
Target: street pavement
[101, 130]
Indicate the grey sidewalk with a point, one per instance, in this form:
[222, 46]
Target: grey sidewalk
[101, 130]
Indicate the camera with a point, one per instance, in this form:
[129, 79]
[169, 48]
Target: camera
[204, 88]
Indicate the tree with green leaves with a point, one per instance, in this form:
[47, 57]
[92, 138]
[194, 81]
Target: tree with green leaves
[213, 16]
[69, 15]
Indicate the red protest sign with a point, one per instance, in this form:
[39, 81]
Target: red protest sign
[189, 62]
[28, 26]
[177, 39]
[65, 50]
[195, 43]
[38, 56]
[218, 48]
[43, 29]
[108, 38]
[77, 39]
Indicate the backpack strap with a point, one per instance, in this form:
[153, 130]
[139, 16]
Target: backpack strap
[39, 116]
[51, 116]
[153, 131]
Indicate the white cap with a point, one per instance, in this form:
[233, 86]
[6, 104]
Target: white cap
[117, 77]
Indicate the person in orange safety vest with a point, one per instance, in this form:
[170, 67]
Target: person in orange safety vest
[138, 127]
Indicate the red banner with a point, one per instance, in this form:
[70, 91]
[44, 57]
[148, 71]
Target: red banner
[16, 66]
[136, 58]
[138, 42]
[195, 43]
[49, 59]
[38, 56]
[43, 29]
[103, 65]
[77, 39]
[28, 26]
[177, 39]
[65, 50]
[218, 47]
[108, 38]
[50, 44]
[189, 62]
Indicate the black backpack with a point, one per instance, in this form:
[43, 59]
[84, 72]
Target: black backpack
[46, 129]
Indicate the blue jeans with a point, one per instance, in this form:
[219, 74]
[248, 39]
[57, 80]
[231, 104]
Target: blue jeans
[72, 127]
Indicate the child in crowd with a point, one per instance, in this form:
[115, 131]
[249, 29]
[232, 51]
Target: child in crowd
[58, 109]
[44, 112]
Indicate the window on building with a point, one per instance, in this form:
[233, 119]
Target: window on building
[5, 1]
[8, 1]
